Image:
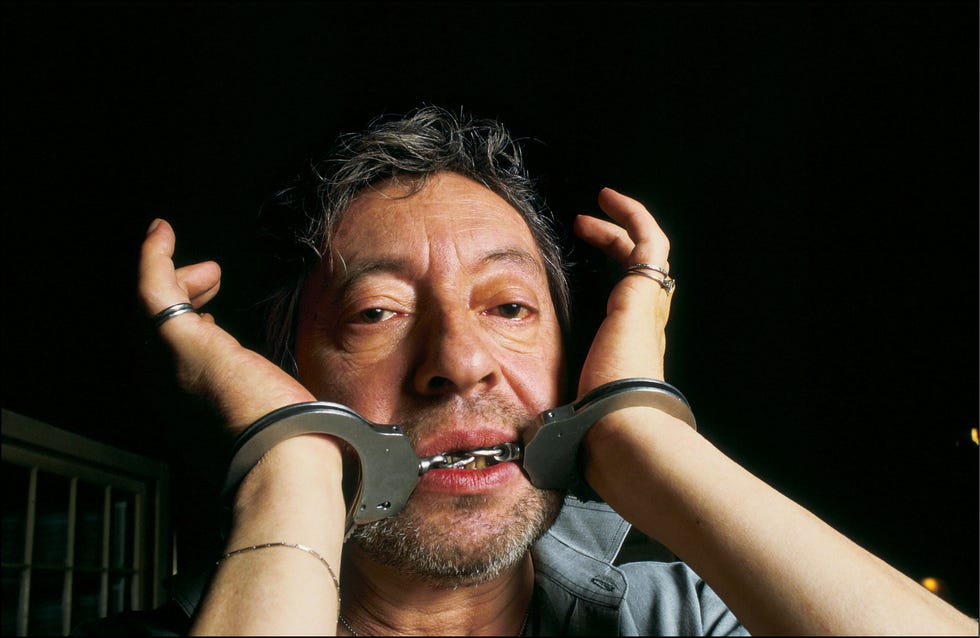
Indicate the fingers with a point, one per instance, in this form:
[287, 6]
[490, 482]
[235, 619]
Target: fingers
[200, 281]
[161, 284]
[157, 282]
[634, 238]
[610, 238]
[631, 214]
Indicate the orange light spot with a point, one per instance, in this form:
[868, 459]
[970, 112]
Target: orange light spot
[930, 583]
[973, 435]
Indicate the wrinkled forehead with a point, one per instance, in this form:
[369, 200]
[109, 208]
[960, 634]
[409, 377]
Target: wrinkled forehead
[446, 212]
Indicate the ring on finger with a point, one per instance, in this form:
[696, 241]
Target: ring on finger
[642, 266]
[666, 282]
[170, 312]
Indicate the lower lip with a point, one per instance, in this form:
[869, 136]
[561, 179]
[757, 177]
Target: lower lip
[469, 481]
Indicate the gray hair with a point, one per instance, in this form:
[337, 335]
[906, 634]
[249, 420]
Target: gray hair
[428, 140]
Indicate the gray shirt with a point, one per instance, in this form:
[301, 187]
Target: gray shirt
[579, 592]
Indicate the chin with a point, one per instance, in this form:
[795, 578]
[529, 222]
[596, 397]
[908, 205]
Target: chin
[462, 541]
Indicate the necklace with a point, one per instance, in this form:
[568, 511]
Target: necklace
[346, 624]
[343, 621]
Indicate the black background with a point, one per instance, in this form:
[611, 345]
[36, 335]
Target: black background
[815, 165]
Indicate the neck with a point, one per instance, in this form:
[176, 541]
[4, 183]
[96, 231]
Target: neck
[378, 600]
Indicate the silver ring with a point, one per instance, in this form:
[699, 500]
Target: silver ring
[170, 312]
[649, 267]
[667, 283]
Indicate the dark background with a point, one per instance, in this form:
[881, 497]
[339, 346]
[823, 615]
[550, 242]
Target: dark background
[815, 165]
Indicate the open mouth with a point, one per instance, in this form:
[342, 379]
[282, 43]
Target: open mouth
[477, 459]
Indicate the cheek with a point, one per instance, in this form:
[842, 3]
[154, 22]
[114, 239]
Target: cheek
[368, 385]
[537, 376]
[357, 375]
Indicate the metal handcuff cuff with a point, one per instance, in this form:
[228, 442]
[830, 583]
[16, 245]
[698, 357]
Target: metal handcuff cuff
[390, 469]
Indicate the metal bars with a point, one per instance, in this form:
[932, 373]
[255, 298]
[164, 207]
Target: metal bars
[85, 529]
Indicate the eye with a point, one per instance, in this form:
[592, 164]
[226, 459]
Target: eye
[374, 315]
[510, 311]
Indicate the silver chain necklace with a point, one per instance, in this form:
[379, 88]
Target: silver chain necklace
[346, 624]
[343, 621]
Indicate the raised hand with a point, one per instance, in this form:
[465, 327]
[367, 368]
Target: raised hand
[240, 383]
[630, 341]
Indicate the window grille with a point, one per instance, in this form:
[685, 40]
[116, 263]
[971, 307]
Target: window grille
[85, 529]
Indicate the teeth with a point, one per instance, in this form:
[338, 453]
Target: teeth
[471, 462]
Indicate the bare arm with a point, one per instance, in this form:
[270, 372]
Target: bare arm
[778, 567]
[294, 495]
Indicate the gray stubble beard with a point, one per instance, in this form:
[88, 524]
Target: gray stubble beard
[414, 546]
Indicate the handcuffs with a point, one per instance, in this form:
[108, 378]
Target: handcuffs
[390, 469]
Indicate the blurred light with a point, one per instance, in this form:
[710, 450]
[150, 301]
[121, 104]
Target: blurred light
[973, 435]
[930, 583]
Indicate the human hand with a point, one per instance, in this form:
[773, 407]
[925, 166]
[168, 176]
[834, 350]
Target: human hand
[241, 384]
[631, 340]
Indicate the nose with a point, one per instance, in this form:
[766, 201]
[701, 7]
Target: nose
[456, 356]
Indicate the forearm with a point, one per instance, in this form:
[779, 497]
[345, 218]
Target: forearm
[778, 567]
[293, 496]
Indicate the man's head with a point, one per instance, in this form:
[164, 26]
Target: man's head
[437, 302]
[410, 149]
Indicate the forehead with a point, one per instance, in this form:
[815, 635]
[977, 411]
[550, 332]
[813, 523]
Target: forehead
[450, 213]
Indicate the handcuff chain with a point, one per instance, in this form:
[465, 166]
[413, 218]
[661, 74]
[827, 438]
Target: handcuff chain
[458, 460]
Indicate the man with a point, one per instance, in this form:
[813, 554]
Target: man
[437, 301]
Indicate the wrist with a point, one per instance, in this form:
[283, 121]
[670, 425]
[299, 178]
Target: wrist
[298, 481]
[621, 429]
[640, 442]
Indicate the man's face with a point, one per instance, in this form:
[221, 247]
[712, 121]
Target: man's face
[434, 312]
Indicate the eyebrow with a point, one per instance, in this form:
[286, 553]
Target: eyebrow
[353, 273]
[350, 275]
[515, 256]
